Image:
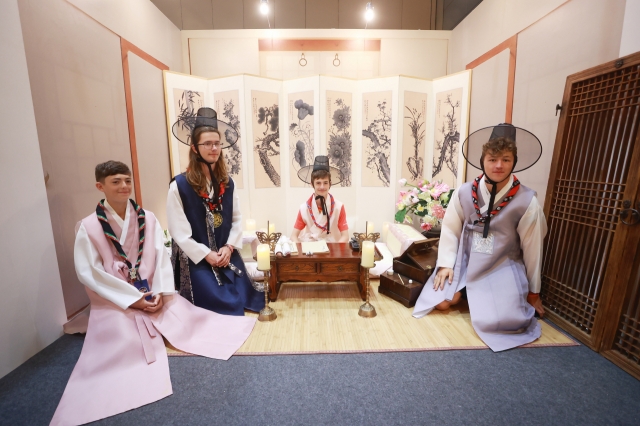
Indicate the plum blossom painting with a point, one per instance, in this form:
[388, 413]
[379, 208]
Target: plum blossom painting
[266, 139]
[446, 145]
[227, 105]
[339, 144]
[415, 111]
[186, 105]
[301, 127]
[376, 139]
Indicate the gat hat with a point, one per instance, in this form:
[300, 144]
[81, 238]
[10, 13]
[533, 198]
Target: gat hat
[529, 146]
[321, 162]
[204, 117]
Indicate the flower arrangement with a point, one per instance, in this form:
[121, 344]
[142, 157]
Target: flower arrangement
[428, 200]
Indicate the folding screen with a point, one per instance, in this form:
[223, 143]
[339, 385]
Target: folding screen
[375, 131]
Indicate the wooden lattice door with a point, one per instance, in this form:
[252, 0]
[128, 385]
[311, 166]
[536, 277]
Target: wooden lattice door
[591, 266]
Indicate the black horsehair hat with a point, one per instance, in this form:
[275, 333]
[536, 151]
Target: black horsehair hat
[529, 146]
[321, 162]
[205, 117]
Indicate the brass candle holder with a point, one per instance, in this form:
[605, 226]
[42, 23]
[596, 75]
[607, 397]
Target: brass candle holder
[268, 238]
[367, 310]
[363, 236]
[267, 313]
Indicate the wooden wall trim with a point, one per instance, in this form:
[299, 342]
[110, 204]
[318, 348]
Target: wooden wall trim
[511, 44]
[297, 45]
[126, 48]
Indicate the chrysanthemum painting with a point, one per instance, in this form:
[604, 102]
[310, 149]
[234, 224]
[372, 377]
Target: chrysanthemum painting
[339, 133]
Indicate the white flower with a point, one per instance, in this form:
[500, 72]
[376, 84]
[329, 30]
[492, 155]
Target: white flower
[402, 181]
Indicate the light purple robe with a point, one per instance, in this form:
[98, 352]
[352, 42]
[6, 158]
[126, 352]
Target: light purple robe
[496, 283]
[123, 364]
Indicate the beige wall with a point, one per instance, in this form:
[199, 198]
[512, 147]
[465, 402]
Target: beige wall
[31, 306]
[572, 36]
[630, 41]
[75, 71]
[208, 53]
[147, 98]
[139, 22]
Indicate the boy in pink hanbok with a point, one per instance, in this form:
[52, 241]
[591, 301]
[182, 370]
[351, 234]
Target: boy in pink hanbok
[120, 257]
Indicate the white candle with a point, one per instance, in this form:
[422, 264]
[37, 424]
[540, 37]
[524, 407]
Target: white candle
[385, 231]
[272, 228]
[264, 257]
[368, 249]
[369, 227]
[251, 225]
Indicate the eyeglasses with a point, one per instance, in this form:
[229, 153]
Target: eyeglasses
[211, 145]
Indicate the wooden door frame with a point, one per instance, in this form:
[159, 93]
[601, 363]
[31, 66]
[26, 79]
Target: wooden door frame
[607, 314]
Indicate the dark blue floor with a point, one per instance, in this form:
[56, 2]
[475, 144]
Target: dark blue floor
[560, 385]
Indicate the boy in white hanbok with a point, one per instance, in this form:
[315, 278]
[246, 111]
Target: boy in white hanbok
[321, 217]
[120, 257]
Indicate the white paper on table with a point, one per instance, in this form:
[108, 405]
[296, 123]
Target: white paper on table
[315, 247]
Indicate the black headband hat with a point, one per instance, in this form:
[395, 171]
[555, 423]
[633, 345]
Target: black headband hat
[205, 117]
[321, 162]
[529, 152]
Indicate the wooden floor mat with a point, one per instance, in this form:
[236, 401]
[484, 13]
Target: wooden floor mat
[318, 318]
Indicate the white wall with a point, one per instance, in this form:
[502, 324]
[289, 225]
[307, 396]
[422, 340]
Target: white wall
[491, 23]
[555, 39]
[218, 53]
[31, 307]
[630, 41]
[579, 35]
[139, 22]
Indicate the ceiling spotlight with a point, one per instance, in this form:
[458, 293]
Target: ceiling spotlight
[368, 13]
[264, 6]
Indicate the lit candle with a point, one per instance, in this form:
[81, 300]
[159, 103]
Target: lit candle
[264, 257]
[272, 228]
[251, 225]
[369, 227]
[385, 231]
[368, 249]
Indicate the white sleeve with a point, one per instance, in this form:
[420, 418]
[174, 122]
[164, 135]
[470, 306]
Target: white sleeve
[450, 233]
[180, 228]
[163, 276]
[532, 228]
[235, 235]
[91, 273]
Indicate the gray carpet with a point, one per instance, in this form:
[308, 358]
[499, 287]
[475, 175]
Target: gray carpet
[561, 385]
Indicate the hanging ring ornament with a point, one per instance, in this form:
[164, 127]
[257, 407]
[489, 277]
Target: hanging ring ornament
[303, 61]
[334, 61]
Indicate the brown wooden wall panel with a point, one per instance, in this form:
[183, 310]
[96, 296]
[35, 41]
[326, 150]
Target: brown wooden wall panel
[388, 14]
[627, 339]
[322, 13]
[351, 14]
[252, 16]
[289, 13]
[197, 15]
[227, 15]
[171, 9]
[416, 14]
[317, 45]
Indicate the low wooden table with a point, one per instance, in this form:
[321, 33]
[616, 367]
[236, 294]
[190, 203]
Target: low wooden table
[340, 264]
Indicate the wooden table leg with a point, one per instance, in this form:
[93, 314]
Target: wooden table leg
[273, 282]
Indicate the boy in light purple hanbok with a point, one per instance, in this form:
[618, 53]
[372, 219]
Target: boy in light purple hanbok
[120, 257]
[491, 242]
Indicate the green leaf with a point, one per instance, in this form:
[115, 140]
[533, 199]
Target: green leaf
[400, 214]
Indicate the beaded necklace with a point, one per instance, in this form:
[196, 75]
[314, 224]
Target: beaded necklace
[313, 218]
[474, 195]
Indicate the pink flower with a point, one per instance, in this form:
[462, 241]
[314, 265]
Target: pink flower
[425, 226]
[439, 189]
[437, 211]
